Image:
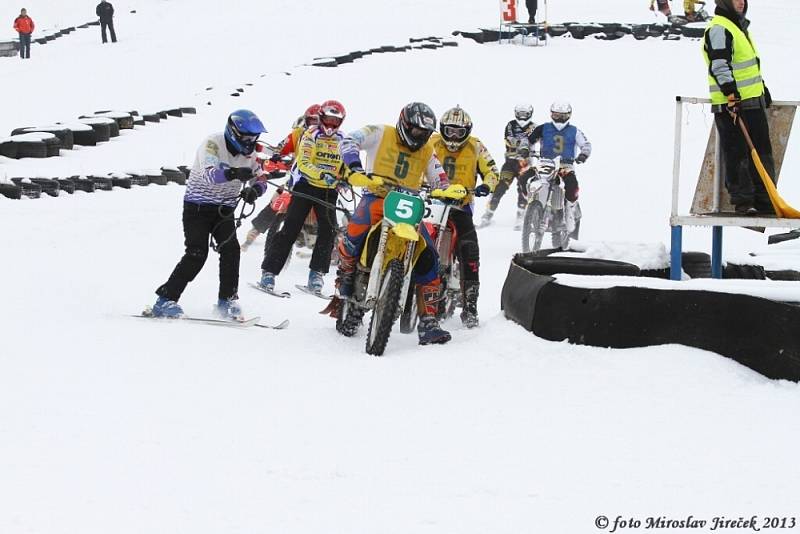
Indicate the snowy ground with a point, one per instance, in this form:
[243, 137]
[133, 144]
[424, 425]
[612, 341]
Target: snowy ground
[113, 424]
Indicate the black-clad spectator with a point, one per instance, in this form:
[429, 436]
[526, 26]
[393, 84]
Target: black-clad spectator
[106, 13]
[532, 5]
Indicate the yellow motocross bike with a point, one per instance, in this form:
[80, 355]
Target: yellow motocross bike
[382, 280]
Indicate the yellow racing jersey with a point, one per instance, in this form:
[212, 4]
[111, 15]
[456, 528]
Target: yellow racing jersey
[319, 160]
[464, 165]
[388, 158]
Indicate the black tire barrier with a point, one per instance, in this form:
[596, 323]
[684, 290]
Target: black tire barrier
[139, 179]
[82, 184]
[656, 273]
[157, 179]
[121, 182]
[102, 131]
[101, 183]
[176, 112]
[49, 186]
[11, 191]
[325, 62]
[692, 32]
[65, 135]
[627, 317]
[189, 111]
[784, 274]
[139, 122]
[85, 137]
[31, 149]
[29, 189]
[744, 272]
[174, 175]
[124, 120]
[53, 146]
[163, 114]
[8, 149]
[696, 264]
[151, 117]
[549, 265]
[557, 30]
[66, 185]
[40, 40]
[185, 170]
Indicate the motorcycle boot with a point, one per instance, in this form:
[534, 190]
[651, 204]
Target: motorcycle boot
[428, 327]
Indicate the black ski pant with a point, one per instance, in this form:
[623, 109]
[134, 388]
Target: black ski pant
[25, 45]
[110, 25]
[296, 215]
[467, 249]
[508, 172]
[532, 5]
[741, 177]
[200, 222]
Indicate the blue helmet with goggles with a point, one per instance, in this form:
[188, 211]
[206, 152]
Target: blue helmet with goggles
[243, 130]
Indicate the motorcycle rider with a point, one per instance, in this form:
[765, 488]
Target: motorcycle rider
[516, 134]
[223, 163]
[286, 148]
[464, 157]
[405, 155]
[561, 139]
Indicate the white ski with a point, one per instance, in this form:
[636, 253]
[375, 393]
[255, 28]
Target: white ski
[282, 294]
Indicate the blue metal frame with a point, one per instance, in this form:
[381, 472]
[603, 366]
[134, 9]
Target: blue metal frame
[716, 252]
[675, 252]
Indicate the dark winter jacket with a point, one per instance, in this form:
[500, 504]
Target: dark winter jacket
[105, 11]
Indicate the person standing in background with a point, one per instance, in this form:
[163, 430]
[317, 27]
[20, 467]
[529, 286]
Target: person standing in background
[24, 26]
[738, 93]
[532, 5]
[106, 13]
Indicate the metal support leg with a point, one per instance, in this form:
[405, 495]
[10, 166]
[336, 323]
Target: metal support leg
[716, 252]
[676, 248]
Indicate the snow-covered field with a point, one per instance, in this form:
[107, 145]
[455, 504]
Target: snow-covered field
[113, 424]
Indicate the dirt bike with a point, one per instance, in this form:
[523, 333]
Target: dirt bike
[382, 279]
[443, 233]
[547, 209]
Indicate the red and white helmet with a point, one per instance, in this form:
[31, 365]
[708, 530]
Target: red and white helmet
[311, 116]
[331, 116]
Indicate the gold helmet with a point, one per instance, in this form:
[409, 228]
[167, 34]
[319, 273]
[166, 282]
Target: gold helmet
[455, 127]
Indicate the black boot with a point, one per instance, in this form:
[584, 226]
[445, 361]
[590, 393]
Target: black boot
[469, 313]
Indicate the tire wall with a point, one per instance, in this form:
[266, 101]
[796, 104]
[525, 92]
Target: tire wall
[624, 317]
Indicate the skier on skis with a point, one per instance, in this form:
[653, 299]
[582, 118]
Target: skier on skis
[516, 134]
[560, 139]
[404, 154]
[224, 163]
[286, 149]
[464, 157]
[316, 173]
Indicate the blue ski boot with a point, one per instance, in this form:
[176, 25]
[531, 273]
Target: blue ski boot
[229, 309]
[267, 282]
[167, 308]
[315, 281]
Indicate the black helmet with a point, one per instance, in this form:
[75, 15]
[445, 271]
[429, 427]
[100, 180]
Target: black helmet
[415, 125]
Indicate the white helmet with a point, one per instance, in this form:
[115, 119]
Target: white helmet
[560, 112]
[523, 113]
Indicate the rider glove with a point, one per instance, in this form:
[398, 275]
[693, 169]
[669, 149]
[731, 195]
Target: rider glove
[238, 173]
[482, 190]
[249, 194]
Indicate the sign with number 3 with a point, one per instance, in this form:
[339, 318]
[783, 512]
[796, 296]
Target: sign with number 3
[508, 8]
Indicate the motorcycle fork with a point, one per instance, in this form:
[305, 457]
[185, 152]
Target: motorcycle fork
[377, 268]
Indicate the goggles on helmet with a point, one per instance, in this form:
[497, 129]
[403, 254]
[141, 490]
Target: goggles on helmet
[454, 132]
